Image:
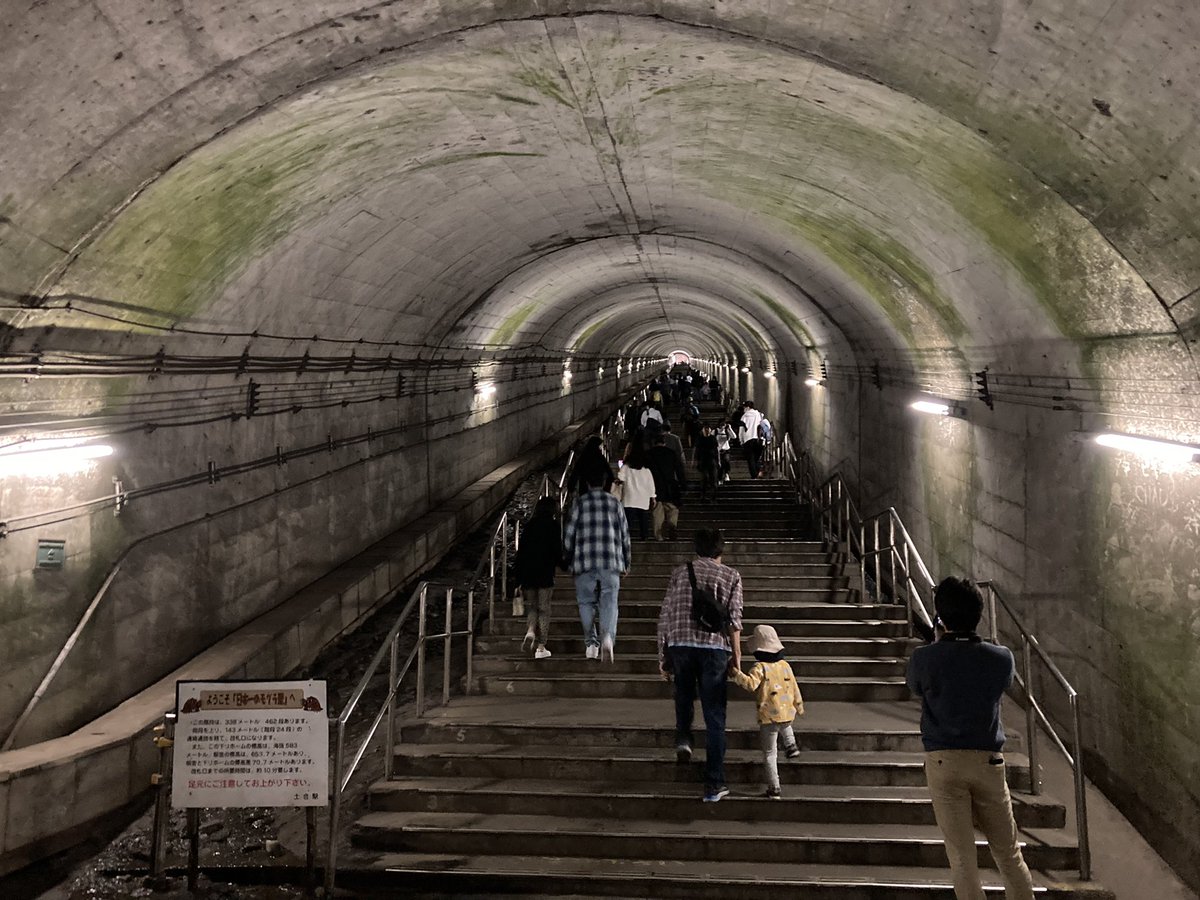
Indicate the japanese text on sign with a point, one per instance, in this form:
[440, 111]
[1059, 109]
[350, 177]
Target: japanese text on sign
[251, 744]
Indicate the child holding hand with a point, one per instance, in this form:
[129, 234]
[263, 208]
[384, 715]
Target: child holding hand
[774, 686]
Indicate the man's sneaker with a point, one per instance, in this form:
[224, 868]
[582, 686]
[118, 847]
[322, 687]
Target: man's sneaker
[791, 752]
[593, 652]
[541, 653]
[683, 754]
[606, 649]
[714, 794]
[773, 793]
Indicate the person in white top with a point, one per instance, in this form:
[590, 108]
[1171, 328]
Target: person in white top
[637, 491]
[748, 435]
[651, 413]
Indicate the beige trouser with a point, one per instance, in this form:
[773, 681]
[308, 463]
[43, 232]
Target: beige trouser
[969, 791]
[669, 513]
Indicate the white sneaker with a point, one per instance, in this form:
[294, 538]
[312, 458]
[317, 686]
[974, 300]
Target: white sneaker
[541, 653]
[606, 649]
[593, 652]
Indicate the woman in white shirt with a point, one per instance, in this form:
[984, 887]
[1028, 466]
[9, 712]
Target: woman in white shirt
[637, 491]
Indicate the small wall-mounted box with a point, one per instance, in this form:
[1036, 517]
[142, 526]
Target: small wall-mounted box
[50, 554]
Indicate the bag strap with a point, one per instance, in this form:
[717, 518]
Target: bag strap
[691, 575]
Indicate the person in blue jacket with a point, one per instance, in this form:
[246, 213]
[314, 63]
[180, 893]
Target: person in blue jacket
[960, 680]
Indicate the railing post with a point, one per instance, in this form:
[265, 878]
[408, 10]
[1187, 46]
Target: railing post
[446, 647]
[393, 666]
[470, 639]
[335, 807]
[504, 556]
[492, 587]
[878, 586]
[421, 632]
[1035, 780]
[892, 556]
[862, 559]
[995, 626]
[1081, 820]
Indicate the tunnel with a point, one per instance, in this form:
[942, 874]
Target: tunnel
[283, 279]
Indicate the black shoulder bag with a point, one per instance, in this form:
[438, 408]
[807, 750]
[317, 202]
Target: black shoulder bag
[708, 612]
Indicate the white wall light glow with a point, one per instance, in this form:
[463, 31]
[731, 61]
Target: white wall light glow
[57, 456]
[1150, 448]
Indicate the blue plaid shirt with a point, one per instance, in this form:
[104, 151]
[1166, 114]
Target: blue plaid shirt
[596, 538]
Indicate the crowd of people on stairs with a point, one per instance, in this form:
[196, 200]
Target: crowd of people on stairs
[959, 678]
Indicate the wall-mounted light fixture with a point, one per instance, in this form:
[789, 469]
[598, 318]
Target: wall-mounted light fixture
[935, 406]
[814, 382]
[485, 389]
[51, 456]
[768, 374]
[745, 370]
[1150, 448]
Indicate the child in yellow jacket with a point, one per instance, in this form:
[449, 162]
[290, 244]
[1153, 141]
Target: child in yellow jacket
[774, 686]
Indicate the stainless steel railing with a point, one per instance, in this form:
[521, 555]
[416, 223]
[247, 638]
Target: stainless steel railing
[1035, 715]
[901, 576]
[390, 649]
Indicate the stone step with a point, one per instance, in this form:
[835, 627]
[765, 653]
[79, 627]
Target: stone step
[647, 664]
[447, 874]
[845, 688]
[671, 801]
[661, 737]
[627, 765]
[700, 840]
[628, 626]
[568, 640]
[757, 605]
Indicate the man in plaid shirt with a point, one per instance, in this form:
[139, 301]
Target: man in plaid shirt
[596, 541]
[699, 660]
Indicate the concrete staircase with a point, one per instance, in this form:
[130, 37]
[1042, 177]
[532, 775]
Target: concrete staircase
[557, 778]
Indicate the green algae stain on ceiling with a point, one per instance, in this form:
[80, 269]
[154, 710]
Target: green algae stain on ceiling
[795, 326]
[509, 327]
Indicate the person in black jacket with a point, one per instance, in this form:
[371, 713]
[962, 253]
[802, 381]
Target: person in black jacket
[588, 461]
[539, 555]
[669, 478]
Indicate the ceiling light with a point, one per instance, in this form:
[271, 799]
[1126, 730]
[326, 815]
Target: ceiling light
[1150, 448]
[56, 456]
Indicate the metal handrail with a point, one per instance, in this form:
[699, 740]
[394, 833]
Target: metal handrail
[1035, 715]
[841, 519]
[61, 658]
[387, 711]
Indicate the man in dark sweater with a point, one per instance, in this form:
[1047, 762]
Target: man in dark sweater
[961, 681]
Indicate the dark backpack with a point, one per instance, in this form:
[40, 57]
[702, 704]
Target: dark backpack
[709, 613]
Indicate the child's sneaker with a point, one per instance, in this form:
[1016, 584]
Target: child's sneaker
[773, 793]
[791, 752]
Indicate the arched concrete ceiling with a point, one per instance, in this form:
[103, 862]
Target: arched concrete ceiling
[878, 179]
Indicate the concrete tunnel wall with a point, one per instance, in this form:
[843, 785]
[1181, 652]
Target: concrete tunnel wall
[908, 194]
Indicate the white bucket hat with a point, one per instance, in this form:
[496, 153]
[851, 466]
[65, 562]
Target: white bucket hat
[765, 640]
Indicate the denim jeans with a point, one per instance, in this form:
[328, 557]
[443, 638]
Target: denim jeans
[596, 592]
[701, 670]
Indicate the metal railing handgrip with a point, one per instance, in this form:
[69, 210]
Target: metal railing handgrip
[1035, 645]
[370, 736]
[355, 697]
[891, 511]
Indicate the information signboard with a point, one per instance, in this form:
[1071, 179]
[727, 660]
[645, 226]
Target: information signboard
[250, 743]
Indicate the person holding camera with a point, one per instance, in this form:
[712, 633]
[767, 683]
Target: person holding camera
[960, 680]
